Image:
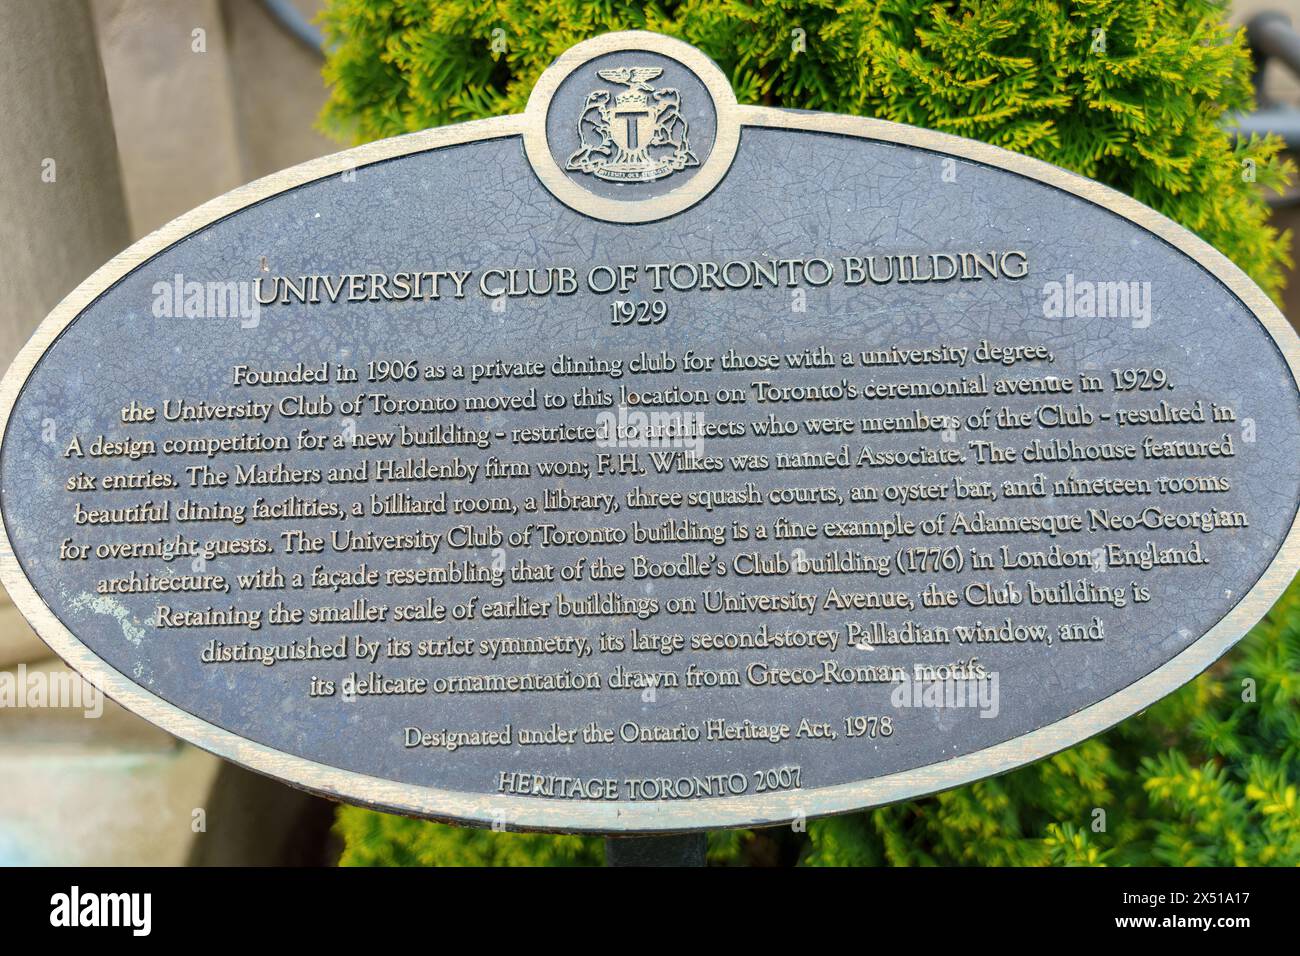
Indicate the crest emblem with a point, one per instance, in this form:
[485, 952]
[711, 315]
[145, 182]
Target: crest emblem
[639, 137]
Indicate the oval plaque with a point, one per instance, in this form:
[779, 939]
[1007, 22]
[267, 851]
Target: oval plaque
[647, 462]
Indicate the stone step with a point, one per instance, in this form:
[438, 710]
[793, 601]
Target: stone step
[98, 790]
[84, 718]
[18, 642]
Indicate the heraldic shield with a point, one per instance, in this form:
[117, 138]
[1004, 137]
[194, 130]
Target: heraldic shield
[640, 137]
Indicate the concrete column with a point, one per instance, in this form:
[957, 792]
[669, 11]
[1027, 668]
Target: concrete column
[60, 190]
[169, 80]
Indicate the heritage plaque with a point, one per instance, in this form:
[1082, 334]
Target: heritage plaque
[647, 462]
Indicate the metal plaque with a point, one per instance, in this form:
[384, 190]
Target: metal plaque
[647, 462]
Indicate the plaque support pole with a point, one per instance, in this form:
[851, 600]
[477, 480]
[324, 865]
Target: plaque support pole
[679, 849]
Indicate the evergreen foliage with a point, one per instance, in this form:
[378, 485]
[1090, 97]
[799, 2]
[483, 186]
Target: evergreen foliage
[1132, 93]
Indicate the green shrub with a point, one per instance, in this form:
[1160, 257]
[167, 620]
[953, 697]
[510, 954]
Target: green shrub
[1129, 92]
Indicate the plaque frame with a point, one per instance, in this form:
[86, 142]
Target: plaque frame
[546, 815]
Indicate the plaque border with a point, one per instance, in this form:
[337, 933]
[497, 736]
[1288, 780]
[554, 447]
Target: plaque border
[548, 815]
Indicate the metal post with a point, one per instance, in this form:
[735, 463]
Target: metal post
[682, 849]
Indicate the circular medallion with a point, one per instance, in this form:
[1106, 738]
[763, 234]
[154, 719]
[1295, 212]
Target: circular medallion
[631, 127]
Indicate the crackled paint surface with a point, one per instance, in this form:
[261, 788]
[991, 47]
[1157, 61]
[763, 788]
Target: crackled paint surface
[789, 194]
